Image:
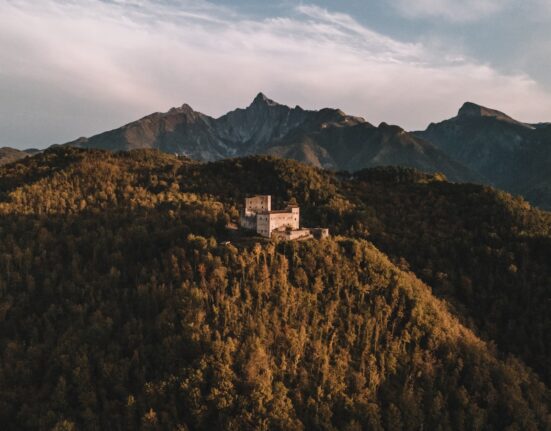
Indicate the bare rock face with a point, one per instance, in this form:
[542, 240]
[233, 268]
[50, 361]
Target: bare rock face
[326, 138]
[505, 152]
[264, 121]
[472, 110]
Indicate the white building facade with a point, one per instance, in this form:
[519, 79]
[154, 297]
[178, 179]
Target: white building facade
[259, 216]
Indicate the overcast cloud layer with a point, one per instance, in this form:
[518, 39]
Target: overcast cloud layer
[73, 68]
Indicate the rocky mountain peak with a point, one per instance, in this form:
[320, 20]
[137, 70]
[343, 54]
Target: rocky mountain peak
[262, 100]
[184, 109]
[390, 128]
[470, 110]
[184, 113]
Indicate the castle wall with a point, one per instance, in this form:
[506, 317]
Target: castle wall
[263, 225]
[248, 222]
[258, 216]
[300, 234]
[284, 219]
[266, 223]
[258, 204]
[291, 235]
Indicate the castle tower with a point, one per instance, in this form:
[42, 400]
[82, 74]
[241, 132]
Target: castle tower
[258, 204]
[259, 216]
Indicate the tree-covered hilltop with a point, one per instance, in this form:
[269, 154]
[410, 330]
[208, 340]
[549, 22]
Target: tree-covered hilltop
[486, 252]
[120, 307]
[483, 250]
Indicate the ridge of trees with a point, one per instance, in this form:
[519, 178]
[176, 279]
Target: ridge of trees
[120, 309]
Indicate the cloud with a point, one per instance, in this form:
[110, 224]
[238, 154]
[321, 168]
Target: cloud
[451, 10]
[72, 68]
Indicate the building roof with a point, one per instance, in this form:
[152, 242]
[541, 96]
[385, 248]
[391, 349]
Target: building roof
[286, 210]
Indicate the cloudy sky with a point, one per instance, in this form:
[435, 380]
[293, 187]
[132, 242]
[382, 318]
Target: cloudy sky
[71, 68]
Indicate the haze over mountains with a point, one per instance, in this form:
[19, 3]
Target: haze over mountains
[480, 144]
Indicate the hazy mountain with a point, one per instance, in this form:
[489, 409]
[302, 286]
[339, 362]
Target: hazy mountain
[326, 138]
[507, 153]
[8, 155]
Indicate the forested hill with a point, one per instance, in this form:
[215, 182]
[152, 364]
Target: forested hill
[122, 306]
[8, 155]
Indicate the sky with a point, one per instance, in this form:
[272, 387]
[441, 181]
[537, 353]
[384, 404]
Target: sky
[71, 68]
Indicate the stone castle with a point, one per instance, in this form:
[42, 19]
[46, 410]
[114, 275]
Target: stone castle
[283, 224]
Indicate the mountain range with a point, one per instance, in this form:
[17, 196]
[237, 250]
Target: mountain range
[327, 138]
[479, 145]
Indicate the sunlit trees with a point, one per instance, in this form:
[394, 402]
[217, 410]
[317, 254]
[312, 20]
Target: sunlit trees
[129, 311]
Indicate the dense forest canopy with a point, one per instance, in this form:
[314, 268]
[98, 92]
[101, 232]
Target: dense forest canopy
[122, 306]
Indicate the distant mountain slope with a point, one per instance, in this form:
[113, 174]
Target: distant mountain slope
[363, 145]
[326, 138]
[123, 306]
[8, 155]
[509, 154]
